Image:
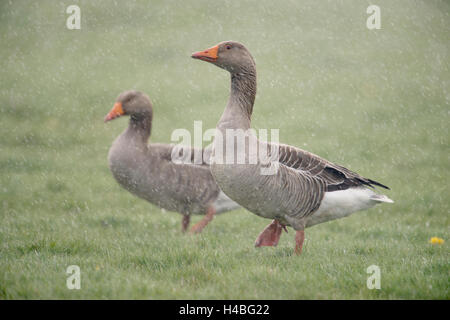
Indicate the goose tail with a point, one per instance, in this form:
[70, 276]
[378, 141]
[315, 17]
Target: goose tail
[381, 198]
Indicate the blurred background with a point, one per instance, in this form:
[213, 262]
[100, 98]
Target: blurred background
[375, 101]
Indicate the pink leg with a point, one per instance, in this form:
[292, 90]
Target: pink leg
[299, 238]
[198, 227]
[270, 236]
[185, 222]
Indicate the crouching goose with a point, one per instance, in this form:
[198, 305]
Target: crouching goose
[147, 171]
[304, 191]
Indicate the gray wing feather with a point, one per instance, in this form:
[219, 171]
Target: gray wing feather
[303, 178]
[334, 176]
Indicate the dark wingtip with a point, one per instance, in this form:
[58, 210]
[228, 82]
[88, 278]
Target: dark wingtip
[379, 184]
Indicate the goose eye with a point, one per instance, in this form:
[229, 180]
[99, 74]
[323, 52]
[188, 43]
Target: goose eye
[228, 47]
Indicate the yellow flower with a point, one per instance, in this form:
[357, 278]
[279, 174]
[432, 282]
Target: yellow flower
[436, 240]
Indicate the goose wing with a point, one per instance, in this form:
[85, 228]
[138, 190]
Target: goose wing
[198, 156]
[188, 186]
[334, 176]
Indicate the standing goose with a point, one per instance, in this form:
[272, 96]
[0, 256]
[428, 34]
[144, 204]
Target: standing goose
[147, 171]
[305, 190]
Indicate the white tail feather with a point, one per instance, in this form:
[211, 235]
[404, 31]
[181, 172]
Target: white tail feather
[339, 204]
[381, 198]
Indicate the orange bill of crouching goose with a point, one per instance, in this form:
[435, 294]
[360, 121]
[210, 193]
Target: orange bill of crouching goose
[305, 190]
[147, 170]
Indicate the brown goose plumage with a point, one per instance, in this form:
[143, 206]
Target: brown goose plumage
[147, 171]
[305, 190]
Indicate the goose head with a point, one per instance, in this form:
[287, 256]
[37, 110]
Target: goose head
[229, 55]
[133, 103]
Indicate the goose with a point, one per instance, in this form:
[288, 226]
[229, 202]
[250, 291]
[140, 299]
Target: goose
[147, 170]
[305, 190]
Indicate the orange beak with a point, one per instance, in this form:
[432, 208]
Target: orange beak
[115, 112]
[209, 55]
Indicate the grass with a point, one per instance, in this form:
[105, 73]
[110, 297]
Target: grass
[375, 101]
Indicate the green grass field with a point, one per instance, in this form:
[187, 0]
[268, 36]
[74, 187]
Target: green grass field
[375, 101]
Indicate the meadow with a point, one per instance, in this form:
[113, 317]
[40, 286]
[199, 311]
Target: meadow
[375, 101]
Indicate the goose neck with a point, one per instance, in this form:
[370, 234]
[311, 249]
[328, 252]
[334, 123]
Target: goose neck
[139, 128]
[237, 114]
